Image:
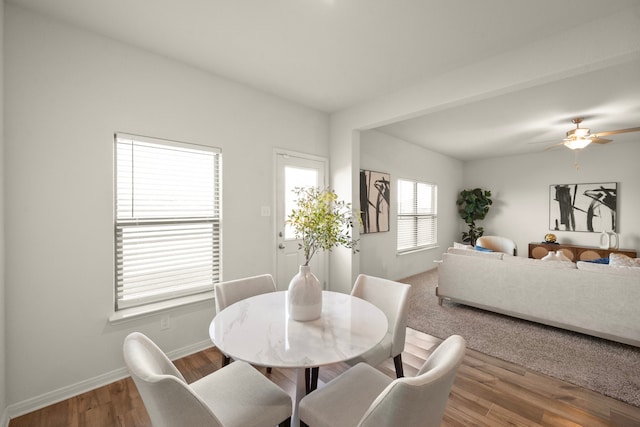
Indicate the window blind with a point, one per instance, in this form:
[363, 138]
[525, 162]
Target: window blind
[417, 215]
[168, 220]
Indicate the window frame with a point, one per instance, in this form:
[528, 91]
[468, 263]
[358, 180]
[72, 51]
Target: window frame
[417, 217]
[208, 218]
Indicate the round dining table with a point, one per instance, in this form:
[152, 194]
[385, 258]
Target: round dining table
[258, 330]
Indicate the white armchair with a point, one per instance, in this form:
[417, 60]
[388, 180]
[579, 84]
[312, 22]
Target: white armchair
[498, 244]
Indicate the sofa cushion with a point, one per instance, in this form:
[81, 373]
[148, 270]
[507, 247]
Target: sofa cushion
[487, 255]
[608, 269]
[537, 262]
[622, 260]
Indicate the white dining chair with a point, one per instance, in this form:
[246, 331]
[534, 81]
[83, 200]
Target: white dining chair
[233, 396]
[393, 299]
[363, 396]
[232, 291]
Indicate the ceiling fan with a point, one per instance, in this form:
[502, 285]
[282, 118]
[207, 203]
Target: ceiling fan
[579, 138]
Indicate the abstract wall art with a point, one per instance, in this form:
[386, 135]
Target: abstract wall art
[583, 207]
[375, 194]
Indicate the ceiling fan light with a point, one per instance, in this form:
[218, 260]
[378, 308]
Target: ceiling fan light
[578, 133]
[578, 143]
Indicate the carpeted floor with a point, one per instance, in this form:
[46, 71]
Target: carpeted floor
[600, 365]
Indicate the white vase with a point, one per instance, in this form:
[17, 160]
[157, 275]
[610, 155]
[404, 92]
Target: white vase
[605, 240]
[305, 296]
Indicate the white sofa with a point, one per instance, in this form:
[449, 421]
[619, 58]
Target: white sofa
[598, 300]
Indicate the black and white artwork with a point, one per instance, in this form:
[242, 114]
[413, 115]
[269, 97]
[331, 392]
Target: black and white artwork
[375, 193]
[583, 207]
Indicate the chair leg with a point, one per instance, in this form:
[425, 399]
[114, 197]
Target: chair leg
[314, 377]
[226, 360]
[311, 379]
[397, 360]
[268, 370]
[285, 423]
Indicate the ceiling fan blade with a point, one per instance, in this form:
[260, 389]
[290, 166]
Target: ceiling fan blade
[597, 140]
[615, 132]
[554, 146]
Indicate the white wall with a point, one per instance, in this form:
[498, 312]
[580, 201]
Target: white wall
[520, 191]
[67, 91]
[384, 153]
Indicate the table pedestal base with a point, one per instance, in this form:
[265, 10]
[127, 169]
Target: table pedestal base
[301, 391]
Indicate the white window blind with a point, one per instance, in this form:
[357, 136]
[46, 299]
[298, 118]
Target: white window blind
[168, 220]
[417, 215]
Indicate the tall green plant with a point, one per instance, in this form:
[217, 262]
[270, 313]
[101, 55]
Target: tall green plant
[473, 205]
[321, 221]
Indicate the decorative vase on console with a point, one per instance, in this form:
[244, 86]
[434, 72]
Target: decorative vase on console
[609, 240]
[322, 222]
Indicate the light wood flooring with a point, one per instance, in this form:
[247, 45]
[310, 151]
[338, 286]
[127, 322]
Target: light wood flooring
[487, 392]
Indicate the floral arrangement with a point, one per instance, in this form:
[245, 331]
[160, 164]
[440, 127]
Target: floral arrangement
[321, 221]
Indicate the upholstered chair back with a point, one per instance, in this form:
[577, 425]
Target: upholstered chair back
[169, 400]
[498, 244]
[232, 291]
[419, 401]
[393, 299]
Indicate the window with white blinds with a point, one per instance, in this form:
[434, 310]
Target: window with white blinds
[417, 215]
[168, 220]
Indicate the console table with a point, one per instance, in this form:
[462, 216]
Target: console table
[575, 252]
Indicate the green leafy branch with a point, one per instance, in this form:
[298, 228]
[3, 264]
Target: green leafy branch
[321, 221]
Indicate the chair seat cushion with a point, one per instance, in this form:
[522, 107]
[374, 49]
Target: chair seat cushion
[240, 395]
[355, 389]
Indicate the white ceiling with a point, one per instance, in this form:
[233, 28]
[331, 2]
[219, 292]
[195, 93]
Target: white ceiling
[332, 55]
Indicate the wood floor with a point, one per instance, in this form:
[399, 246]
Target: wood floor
[487, 392]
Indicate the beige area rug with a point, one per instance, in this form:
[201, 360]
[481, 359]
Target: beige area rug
[600, 365]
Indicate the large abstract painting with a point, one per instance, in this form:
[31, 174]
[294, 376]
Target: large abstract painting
[583, 207]
[375, 194]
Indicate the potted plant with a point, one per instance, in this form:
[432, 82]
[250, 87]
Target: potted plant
[473, 205]
[322, 222]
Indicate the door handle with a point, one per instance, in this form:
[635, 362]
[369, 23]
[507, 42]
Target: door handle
[281, 246]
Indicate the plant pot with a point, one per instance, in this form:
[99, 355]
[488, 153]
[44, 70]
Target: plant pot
[304, 296]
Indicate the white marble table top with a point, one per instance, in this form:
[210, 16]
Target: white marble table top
[259, 331]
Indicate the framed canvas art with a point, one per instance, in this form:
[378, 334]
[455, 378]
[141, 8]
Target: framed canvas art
[583, 207]
[375, 194]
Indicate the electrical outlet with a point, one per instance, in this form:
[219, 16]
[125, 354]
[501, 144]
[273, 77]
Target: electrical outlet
[165, 323]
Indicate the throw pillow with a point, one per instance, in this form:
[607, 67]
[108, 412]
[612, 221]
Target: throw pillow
[461, 246]
[622, 260]
[598, 261]
[481, 249]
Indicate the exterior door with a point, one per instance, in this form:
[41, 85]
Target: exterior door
[295, 170]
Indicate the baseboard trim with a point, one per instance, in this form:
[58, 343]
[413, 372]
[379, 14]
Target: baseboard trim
[67, 392]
